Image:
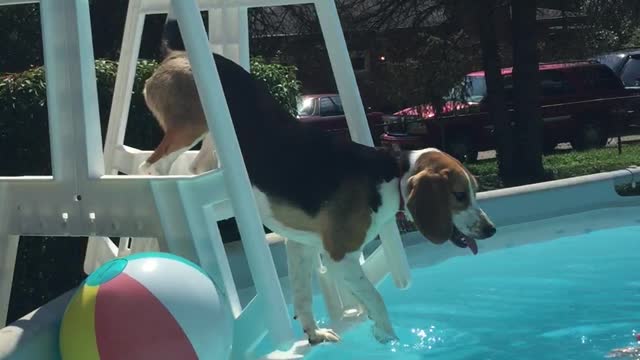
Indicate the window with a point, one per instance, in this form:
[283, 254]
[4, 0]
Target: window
[600, 78]
[472, 89]
[306, 107]
[330, 106]
[360, 61]
[554, 83]
[631, 73]
[613, 61]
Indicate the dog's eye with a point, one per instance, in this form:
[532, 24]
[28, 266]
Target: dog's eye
[460, 196]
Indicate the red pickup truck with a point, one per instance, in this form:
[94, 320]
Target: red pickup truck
[325, 112]
[583, 103]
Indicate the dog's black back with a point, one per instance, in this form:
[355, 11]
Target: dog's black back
[284, 157]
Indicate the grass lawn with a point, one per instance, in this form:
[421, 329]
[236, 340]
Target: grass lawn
[565, 164]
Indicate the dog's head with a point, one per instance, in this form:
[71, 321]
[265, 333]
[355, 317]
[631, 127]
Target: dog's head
[440, 194]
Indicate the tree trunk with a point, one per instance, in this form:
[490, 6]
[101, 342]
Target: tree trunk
[528, 132]
[485, 20]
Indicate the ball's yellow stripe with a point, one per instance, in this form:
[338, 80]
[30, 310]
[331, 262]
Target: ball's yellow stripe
[77, 332]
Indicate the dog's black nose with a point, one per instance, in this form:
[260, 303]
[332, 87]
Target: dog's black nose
[489, 231]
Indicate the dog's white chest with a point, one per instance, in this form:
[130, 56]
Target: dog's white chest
[390, 196]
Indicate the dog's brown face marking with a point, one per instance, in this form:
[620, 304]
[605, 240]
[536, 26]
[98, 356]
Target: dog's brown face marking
[438, 189]
[342, 222]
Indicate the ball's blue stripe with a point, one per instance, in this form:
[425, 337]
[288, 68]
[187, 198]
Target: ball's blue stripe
[107, 272]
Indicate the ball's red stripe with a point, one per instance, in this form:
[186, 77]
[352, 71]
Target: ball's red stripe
[131, 323]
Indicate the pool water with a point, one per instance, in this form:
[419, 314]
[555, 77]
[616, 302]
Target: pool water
[571, 298]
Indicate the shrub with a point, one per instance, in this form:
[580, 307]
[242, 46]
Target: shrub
[281, 80]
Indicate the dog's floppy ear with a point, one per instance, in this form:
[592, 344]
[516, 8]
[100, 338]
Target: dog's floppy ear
[428, 202]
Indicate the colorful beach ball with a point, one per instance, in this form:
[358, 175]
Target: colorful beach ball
[147, 306]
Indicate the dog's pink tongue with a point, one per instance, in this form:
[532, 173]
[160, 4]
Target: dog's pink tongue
[473, 246]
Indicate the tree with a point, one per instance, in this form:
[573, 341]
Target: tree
[526, 87]
[485, 21]
[611, 23]
[20, 37]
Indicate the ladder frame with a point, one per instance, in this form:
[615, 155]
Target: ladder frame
[85, 197]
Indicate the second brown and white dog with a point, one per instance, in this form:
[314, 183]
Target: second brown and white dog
[321, 194]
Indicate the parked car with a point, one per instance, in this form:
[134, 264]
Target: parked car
[583, 103]
[625, 64]
[325, 112]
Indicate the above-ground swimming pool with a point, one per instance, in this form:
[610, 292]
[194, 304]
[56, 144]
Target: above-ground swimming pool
[556, 282]
[575, 297]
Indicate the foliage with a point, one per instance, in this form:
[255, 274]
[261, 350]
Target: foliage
[21, 34]
[281, 80]
[634, 39]
[433, 68]
[612, 23]
[20, 37]
[22, 107]
[566, 164]
[593, 27]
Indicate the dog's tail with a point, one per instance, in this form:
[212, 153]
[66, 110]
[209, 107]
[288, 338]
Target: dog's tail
[171, 38]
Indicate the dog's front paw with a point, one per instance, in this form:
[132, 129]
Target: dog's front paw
[384, 334]
[318, 336]
[147, 169]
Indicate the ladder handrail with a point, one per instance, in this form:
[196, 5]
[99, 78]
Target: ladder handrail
[236, 177]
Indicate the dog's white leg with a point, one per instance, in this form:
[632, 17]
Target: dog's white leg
[206, 159]
[300, 259]
[351, 272]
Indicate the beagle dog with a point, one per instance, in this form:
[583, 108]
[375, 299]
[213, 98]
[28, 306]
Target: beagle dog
[324, 195]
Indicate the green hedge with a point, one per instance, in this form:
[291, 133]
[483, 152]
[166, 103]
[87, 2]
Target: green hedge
[46, 267]
[281, 79]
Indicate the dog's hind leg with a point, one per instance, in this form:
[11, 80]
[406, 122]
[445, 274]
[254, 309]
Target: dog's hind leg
[300, 260]
[350, 270]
